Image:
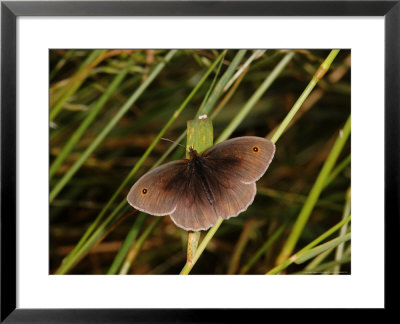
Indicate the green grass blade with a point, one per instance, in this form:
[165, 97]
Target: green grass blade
[338, 169]
[76, 136]
[315, 193]
[130, 238]
[75, 83]
[325, 266]
[136, 247]
[271, 240]
[217, 91]
[305, 256]
[314, 264]
[343, 230]
[255, 97]
[317, 76]
[68, 263]
[210, 90]
[315, 242]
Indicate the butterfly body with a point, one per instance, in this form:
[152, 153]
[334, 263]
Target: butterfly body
[195, 192]
[197, 166]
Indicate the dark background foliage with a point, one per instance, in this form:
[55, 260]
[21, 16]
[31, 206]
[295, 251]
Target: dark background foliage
[300, 153]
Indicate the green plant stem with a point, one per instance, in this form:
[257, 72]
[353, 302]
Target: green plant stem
[110, 125]
[310, 268]
[317, 76]
[130, 238]
[136, 247]
[319, 239]
[256, 54]
[271, 240]
[229, 94]
[192, 243]
[314, 193]
[307, 255]
[217, 90]
[186, 269]
[325, 266]
[255, 97]
[240, 245]
[343, 230]
[206, 101]
[200, 137]
[338, 169]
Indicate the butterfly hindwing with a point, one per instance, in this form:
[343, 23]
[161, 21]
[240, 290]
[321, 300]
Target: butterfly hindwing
[196, 216]
[236, 199]
[209, 195]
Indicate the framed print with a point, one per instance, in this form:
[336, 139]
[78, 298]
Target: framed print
[187, 155]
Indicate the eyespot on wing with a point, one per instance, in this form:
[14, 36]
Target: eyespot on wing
[247, 158]
[157, 191]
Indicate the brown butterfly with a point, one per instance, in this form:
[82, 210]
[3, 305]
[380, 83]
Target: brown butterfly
[195, 192]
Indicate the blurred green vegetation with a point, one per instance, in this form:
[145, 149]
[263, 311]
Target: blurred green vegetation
[108, 106]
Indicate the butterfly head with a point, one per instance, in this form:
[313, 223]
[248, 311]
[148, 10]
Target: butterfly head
[192, 153]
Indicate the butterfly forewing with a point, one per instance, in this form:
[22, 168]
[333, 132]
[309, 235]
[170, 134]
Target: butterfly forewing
[157, 191]
[246, 158]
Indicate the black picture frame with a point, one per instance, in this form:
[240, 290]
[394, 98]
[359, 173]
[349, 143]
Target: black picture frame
[10, 10]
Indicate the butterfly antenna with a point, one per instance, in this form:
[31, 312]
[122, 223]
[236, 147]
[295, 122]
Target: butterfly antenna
[166, 139]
